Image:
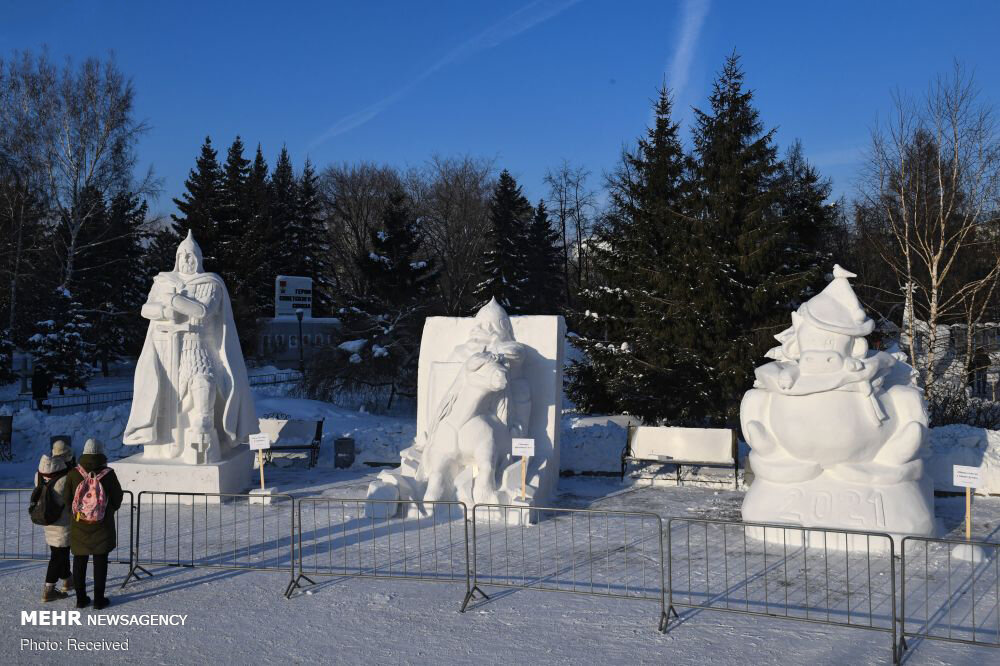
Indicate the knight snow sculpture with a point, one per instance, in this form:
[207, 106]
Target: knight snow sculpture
[835, 429]
[192, 400]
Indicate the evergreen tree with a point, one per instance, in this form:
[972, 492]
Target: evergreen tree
[746, 287]
[233, 222]
[381, 331]
[60, 343]
[251, 279]
[313, 257]
[506, 258]
[812, 222]
[544, 285]
[116, 287]
[638, 324]
[199, 205]
[162, 250]
[284, 217]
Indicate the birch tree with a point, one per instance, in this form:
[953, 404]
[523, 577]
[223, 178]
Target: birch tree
[933, 178]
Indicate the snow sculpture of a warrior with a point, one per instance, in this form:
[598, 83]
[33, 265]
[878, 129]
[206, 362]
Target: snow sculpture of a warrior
[836, 430]
[192, 400]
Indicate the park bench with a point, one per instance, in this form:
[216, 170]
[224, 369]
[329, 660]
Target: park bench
[693, 447]
[288, 434]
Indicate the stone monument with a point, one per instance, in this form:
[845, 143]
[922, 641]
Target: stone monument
[836, 430]
[482, 381]
[192, 409]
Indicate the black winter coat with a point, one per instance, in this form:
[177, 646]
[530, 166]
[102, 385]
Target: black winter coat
[93, 538]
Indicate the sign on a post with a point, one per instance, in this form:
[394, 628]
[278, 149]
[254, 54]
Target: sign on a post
[291, 293]
[966, 477]
[260, 441]
[522, 446]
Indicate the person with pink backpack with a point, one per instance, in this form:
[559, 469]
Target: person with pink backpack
[93, 494]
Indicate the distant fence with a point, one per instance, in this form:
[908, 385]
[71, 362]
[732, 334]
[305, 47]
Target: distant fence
[22, 539]
[427, 541]
[947, 598]
[839, 577]
[214, 531]
[580, 551]
[87, 401]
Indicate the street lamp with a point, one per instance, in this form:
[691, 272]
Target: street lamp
[302, 358]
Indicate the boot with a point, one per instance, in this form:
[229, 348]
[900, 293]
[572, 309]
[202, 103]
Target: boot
[67, 585]
[50, 593]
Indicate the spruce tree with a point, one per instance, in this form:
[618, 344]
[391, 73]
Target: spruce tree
[233, 222]
[284, 217]
[162, 250]
[200, 203]
[313, 256]
[118, 283]
[506, 257]
[544, 286]
[385, 325]
[637, 324]
[812, 224]
[60, 343]
[746, 288]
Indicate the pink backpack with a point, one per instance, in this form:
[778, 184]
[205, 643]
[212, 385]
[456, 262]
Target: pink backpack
[90, 501]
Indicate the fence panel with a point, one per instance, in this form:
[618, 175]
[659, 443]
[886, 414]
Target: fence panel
[839, 577]
[408, 540]
[22, 539]
[582, 551]
[215, 531]
[944, 597]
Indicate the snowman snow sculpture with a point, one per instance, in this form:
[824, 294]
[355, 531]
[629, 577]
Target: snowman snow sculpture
[836, 430]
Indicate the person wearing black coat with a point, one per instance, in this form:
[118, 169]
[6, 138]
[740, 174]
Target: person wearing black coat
[92, 539]
[41, 384]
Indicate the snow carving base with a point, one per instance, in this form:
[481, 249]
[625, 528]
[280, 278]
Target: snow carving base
[192, 409]
[836, 430]
[480, 382]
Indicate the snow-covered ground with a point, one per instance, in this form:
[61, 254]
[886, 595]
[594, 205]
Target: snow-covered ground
[242, 617]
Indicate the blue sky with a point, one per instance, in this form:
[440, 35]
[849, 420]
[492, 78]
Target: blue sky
[525, 83]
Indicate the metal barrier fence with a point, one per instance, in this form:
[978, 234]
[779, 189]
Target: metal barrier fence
[943, 597]
[838, 577]
[391, 539]
[22, 539]
[581, 551]
[215, 531]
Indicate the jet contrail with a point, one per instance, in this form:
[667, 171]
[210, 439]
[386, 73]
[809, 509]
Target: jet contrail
[693, 18]
[520, 21]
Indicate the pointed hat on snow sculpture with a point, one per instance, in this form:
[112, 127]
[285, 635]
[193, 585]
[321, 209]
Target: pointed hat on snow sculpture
[836, 429]
[837, 307]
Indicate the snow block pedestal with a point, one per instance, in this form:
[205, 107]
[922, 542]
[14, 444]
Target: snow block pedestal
[825, 502]
[232, 475]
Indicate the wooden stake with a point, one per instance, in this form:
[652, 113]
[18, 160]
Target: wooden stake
[524, 477]
[968, 514]
[260, 464]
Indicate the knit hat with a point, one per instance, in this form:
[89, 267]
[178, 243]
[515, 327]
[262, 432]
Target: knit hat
[47, 465]
[61, 449]
[837, 309]
[93, 446]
